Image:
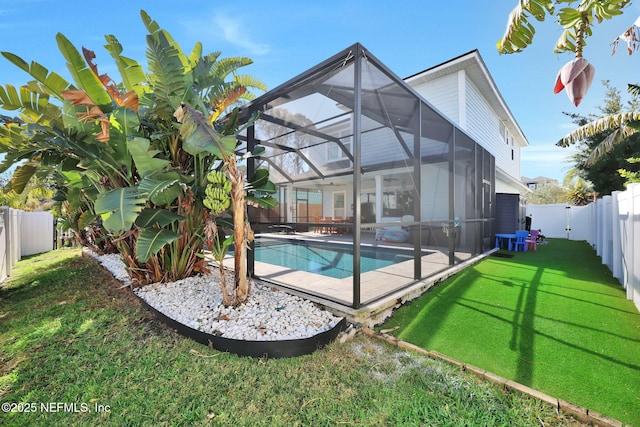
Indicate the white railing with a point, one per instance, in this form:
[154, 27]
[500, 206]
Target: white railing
[22, 234]
[611, 225]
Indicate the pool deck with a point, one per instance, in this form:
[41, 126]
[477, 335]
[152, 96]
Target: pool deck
[381, 290]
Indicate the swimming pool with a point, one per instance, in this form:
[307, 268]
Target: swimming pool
[331, 260]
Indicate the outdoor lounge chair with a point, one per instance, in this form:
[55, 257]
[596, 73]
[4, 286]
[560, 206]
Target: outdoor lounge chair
[532, 241]
[521, 240]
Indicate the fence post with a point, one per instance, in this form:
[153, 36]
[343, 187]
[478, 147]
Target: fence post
[615, 234]
[3, 245]
[607, 231]
[592, 224]
[6, 214]
[633, 237]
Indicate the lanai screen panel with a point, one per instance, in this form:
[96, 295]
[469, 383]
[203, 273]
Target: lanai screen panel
[389, 134]
[389, 121]
[307, 131]
[467, 189]
[436, 142]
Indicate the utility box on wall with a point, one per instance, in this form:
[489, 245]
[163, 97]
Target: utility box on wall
[510, 213]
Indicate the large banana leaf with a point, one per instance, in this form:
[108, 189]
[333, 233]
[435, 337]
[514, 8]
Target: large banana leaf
[33, 104]
[623, 126]
[166, 40]
[73, 197]
[611, 122]
[519, 32]
[228, 66]
[74, 178]
[120, 208]
[200, 137]
[161, 217]
[86, 219]
[166, 76]
[124, 124]
[168, 65]
[265, 201]
[151, 240]
[52, 83]
[161, 191]
[196, 54]
[21, 177]
[145, 159]
[259, 179]
[10, 99]
[131, 72]
[84, 77]
[250, 81]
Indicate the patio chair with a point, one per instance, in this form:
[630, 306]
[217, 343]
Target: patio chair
[521, 240]
[532, 241]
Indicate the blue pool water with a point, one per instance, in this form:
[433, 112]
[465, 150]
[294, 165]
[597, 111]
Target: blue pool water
[332, 260]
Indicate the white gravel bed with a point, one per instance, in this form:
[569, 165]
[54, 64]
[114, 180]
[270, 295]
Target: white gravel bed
[268, 315]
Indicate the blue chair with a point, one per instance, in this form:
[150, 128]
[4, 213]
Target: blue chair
[521, 240]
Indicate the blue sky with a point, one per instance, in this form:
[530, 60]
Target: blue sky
[285, 38]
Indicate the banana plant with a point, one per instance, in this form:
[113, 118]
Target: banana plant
[227, 188]
[577, 75]
[576, 22]
[118, 144]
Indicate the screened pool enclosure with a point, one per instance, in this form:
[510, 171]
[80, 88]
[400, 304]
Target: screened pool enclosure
[376, 189]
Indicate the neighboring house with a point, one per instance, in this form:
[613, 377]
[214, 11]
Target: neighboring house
[535, 183]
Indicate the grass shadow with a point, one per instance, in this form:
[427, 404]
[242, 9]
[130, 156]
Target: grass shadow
[100, 348]
[553, 319]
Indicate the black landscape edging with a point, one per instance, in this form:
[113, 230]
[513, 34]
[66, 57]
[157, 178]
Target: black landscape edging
[268, 349]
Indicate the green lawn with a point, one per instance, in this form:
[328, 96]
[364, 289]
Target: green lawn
[69, 336]
[553, 319]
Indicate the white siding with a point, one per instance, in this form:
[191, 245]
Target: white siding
[442, 93]
[505, 187]
[481, 122]
[435, 192]
[483, 125]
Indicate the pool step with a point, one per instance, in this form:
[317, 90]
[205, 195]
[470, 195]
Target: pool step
[402, 258]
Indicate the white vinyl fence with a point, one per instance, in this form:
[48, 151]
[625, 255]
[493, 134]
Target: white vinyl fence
[21, 234]
[611, 225]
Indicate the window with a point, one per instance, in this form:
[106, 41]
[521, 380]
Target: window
[506, 136]
[339, 204]
[343, 132]
[334, 152]
[504, 133]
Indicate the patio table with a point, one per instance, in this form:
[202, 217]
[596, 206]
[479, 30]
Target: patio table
[500, 238]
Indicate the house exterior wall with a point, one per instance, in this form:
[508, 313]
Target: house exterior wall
[458, 98]
[505, 187]
[442, 93]
[484, 126]
[481, 122]
[435, 192]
